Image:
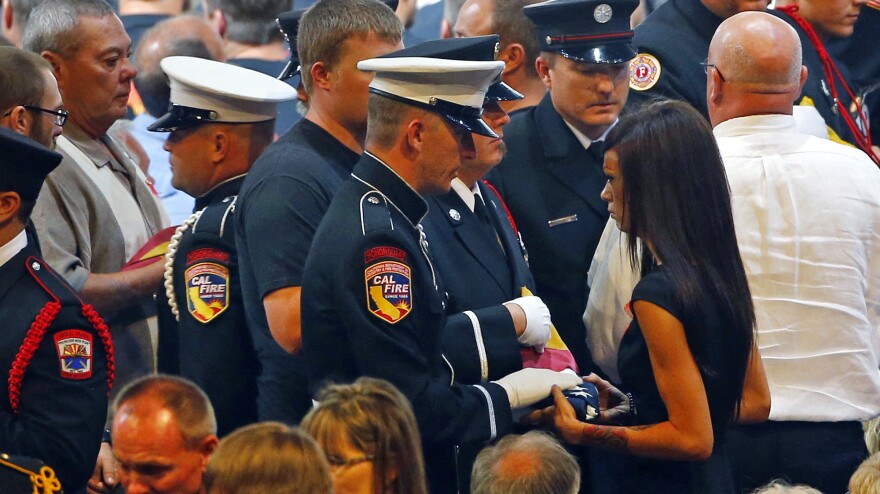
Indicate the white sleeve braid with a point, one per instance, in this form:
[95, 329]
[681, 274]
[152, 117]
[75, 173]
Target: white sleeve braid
[169, 262]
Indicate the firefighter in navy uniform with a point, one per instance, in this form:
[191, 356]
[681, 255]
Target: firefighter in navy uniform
[373, 304]
[472, 256]
[56, 351]
[552, 174]
[220, 120]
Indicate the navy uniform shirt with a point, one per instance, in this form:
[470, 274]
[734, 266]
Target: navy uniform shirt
[210, 341]
[55, 407]
[672, 42]
[278, 210]
[551, 185]
[373, 305]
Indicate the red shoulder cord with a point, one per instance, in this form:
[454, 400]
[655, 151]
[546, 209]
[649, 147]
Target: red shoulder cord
[28, 348]
[504, 205]
[35, 336]
[863, 139]
[104, 333]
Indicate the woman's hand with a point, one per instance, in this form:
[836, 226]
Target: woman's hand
[569, 428]
[613, 403]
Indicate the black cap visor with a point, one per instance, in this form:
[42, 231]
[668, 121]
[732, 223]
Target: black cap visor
[182, 117]
[500, 91]
[607, 53]
[463, 116]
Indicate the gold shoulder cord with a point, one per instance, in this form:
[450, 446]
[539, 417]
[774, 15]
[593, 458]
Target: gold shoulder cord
[44, 482]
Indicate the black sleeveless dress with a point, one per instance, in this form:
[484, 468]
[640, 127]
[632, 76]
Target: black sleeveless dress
[648, 475]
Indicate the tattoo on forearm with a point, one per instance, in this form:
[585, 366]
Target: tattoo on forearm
[610, 437]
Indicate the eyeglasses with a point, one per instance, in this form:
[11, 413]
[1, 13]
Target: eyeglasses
[60, 115]
[337, 463]
[705, 63]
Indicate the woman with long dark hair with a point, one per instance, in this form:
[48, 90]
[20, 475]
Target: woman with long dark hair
[689, 358]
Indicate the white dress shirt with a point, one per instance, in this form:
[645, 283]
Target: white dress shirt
[807, 214]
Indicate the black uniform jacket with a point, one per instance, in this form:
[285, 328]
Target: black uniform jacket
[677, 34]
[480, 268]
[373, 305]
[551, 185]
[210, 344]
[57, 356]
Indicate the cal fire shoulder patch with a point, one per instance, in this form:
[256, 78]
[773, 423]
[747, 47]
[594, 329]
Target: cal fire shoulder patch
[644, 72]
[74, 348]
[207, 290]
[388, 281]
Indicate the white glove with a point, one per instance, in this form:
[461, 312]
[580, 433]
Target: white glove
[529, 386]
[537, 330]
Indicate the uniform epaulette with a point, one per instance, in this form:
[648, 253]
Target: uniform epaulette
[57, 290]
[49, 280]
[216, 218]
[375, 216]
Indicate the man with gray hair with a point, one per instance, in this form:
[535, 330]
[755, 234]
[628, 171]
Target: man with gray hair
[14, 16]
[164, 431]
[533, 463]
[518, 47]
[807, 217]
[96, 210]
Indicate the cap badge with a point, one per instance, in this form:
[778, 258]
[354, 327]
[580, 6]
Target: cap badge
[454, 214]
[497, 48]
[644, 72]
[602, 13]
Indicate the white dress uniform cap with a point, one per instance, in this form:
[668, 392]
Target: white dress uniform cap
[454, 88]
[204, 91]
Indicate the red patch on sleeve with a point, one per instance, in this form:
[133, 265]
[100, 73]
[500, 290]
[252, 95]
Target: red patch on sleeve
[74, 353]
[384, 251]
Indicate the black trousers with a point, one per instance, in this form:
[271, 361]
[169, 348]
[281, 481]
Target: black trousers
[822, 455]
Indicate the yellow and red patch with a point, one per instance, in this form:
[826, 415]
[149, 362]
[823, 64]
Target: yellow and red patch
[389, 290]
[207, 290]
